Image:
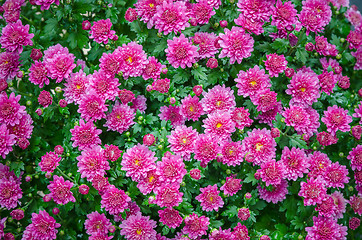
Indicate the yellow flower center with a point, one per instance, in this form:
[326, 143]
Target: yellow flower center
[191, 108]
[258, 146]
[253, 83]
[151, 179]
[129, 60]
[218, 125]
[137, 162]
[139, 231]
[302, 89]
[218, 103]
[78, 87]
[184, 140]
[152, 5]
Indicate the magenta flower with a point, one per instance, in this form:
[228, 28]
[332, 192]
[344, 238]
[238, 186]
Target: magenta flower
[326, 228]
[191, 108]
[76, 87]
[219, 124]
[355, 39]
[275, 64]
[180, 52]
[313, 191]
[210, 199]
[161, 85]
[132, 58]
[243, 214]
[92, 106]
[327, 208]
[92, 162]
[168, 195]
[356, 158]
[295, 163]
[10, 110]
[170, 217]
[315, 15]
[105, 87]
[14, 36]
[277, 194]
[336, 175]
[272, 172]
[182, 141]
[336, 118]
[120, 119]
[318, 163]
[284, 15]
[297, 117]
[358, 112]
[231, 186]
[327, 82]
[250, 24]
[356, 204]
[7, 141]
[138, 227]
[259, 146]
[38, 74]
[235, 44]
[100, 183]
[137, 161]
[60, 66]
[221, 234]
[146, 9]
[206, 148]
[97, 223]
[195, 226]
[60, 190]
[304, 87]
[139, 103]
[86, 135]
[218, 98]
[171, 169]
[112, 152]
[126, 96]
[232, 153]
[45, 99]
[240, 117]
[9, 65]
[101, 31]
[45, 4]
[265, 100]
[152, 69]
[10, 192]
[202, 11]
[252, 81]
[171, 17]
[241, 232]
[206, 42]
[110, 64]
[256, 10]
[42, 226]
[147, 184]
[49, 162]
[114, 200]
[172, 113]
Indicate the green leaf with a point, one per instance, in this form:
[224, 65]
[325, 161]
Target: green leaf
[296, 141]
[199, 74]
[137, 128]
[301, 55]
[230, 212]
[180, 77]
[298, 223]
[250, 178]
[280, 45]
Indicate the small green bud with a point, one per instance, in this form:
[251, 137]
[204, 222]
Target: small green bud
[58, 89]
[339, 56]
[216, 25]
[183, 184]
[30, 195]
[140, 118]
[221, 70]
[228, 171]
[342, 40]
[341, 154]
[128, 134]
[108, 46]
[159, 35]
[28, 103]
[160, 147]
[350, 188]
[352, 96]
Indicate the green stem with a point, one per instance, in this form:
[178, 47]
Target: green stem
[66, 176]
[27, 205]
[27, 19]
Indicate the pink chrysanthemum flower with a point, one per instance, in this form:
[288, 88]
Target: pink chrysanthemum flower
[265, 100]
[358, 112]
[121, 118]
[147, 184]
[356, 158]
[126, 96]
[195, 226]
[146, 9]
[171, 17]
[7, 141]
[295, 163]
[272, 172]
[152, 69]
[171, 169]
[42, 226]
[92, 162]
[92, 106]
[139, 103]
[219, 125]
[252, 81]
[60, 66]
[49, 162]
[240, 232]
[137, 161]
[110, 64]
[221, 234]
[105, 87]
[76, 87]
[168, 195]
[45, 99]
[14, 36]
[172, 113]
[250, 24]
[97, 223]
[231, 186]
[180, 52]
[354, 223]
[23, 129]
[161, 85]
[112, 152]
[336, 175]
[206, 148]
[313, 191]
[275, 64]
[100, 183]
[304, 87]
[327, 208]
[318, 162]
[336, 118]
[240, 117]
[326, 228]
[355, 39]
[170, 217]
[38, 74]
[356, 203]
[9, 65]
[327, 81]
[10, 110]
[202, 11]
[232, 153]
[10, 192]
[256, 9]
[243, 214]
[206, 42]
[315, 15]
[45, 4]
[138, 227]
[210, 199]
[269, 116]
[297, 117]
[60, 190]
[218, 98]
[182, 140]
[277, 194]
[115, 200]
[132, 58]
[235, 44]
[101, 31]
[259, 146]
[191, 108]
[284, 15]
[86, 135]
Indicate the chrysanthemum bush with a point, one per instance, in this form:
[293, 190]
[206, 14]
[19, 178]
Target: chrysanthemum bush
[156, 120]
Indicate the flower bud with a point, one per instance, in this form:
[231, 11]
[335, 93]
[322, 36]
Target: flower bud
[86, 25]
[223, 23]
